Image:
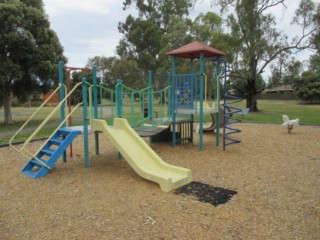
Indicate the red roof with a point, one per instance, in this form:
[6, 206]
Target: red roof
[193, 50]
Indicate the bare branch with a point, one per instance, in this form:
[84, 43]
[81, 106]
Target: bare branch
[265, 5]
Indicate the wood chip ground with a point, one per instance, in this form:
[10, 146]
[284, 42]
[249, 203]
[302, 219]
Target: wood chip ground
[276, 176]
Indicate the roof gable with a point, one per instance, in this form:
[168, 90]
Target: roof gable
[193, 50]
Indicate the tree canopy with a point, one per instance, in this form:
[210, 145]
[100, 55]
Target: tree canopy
[252, 41]
[110, 69]
[307, 87]
[29, 53]
[258, 42]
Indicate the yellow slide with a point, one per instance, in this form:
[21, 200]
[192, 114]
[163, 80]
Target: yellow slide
[140, 155]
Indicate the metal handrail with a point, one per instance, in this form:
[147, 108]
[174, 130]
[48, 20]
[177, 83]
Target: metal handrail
[23, 149]
[31, 117]
[51, 114]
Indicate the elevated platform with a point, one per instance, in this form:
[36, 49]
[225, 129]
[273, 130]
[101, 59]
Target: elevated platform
[163, 131]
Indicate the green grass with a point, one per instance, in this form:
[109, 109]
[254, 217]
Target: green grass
[22, 114]
[271, 111]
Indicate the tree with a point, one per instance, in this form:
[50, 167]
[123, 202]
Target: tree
[34, 3]
[258, 43]
[110, 69]
[144, 38]
[284, 71]
[239, 86]
[205, 26]
[141, 42]
[314, 64]
[104, 66]
[307, 87]
[29, 52]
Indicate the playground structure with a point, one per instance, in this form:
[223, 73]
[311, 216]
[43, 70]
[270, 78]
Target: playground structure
[183, 97]
[191, 92]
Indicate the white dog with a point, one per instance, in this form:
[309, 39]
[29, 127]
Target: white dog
[289, 123]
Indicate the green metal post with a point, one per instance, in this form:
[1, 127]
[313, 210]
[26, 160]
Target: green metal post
[173, 107]
[150, 97]
[61, 97]
[201, 102]
[119, 92]
[169, 92]
[95, 106]
[85, 123]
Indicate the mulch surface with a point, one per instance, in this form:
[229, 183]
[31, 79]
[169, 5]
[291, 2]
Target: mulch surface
[267, 187]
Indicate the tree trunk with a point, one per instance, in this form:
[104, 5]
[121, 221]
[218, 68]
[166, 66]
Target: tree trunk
[7, 108]
[29, 101]
[252, 95]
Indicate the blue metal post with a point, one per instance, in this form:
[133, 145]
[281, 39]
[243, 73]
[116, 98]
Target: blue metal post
[119, 92]
[224, 107]
[95, 106]
[201, 102]
[218, 101]
[150, 97]
[85, 123]
[61, 97]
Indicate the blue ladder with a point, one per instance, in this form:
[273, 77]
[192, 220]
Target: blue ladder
[229, 119]
[50, 153]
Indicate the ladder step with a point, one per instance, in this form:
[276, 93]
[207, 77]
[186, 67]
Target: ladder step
[64, 131]
[34, 169]
[47, 152]
[37, 163]
[41, 172]
[56, 141]
[30, 173]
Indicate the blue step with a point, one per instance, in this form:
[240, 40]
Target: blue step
[37, 163]
[35, 172]
[34, 169]
[47, 152]
[64, 131]
[56, 141]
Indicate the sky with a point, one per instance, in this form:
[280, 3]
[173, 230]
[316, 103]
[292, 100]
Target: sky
[90, 28]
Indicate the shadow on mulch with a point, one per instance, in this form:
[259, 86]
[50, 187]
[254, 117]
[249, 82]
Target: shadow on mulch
[206, 193]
